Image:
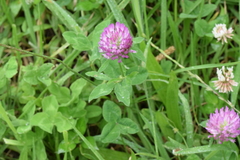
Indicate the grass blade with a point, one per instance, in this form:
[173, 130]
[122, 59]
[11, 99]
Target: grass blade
[64, 16]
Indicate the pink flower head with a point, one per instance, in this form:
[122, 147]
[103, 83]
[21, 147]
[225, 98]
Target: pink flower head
[115, 42]
[221, 32]
[225, 80]
[224, 125]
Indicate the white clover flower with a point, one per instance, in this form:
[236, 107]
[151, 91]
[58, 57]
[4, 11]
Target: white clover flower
[221, 32]
[225, 80]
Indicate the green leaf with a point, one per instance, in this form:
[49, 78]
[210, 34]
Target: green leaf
[139, 54]
[11, 67]
[207, 9]
[153, 66]
[173, 111]
[43, 73]
[61, 123]
[78, 109]
[164, 124]
[31, 74]
[77, 87]
[194, 10]
[15, 7]
[87, 5]
[3, 128]
[42, 120]
[193, 157]
[133, 156]
[137, 75]
[173, 144]
[50, 105]
[202, 149]
[28, 92]
[111, 111]
[101, 90]
[201, 27]
[62, 15]
[127, 126]
[123, 91]
[110, 132]
[41, 150]
[64, 147]
[188, 119]
[45, 69]
[113, 69]
[104, 65]
[62, 93]
[24, 129]
[97, 75]
[3, 79]
[93, 111]
[82, 124]
[92, 141]
[184, 15]
[24, 153]
[77, 40]
[137, 40]
[107, 154]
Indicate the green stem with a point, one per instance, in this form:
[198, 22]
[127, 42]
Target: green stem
[121, 69]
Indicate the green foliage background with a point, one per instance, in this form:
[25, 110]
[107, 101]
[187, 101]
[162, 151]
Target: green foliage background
[60, 99]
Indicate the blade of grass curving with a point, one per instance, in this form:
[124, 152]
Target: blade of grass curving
[29, 21]
[138, 16]
[151, 109]
[121, 6]
[163, 124]
[234, 94]
[154, 9]
[68, 61]
[90, 146]
[6, 10]
[206, 66]
[188, 119]
[202, 149]
[153, 67]
[116, 12]
[193, 45]
[185, 37]
[5, 117]
[159, 141]
[39, 35]
[16, 42]
[151, 63]
[146, 143]
[173, 111]
[145, 19]
[163, 28]
[62, 15]
[176, 35]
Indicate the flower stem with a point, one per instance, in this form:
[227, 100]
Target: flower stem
[121, 69]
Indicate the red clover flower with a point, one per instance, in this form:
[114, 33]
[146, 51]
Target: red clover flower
[115, 42]
[221, 32]
[224, 125]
